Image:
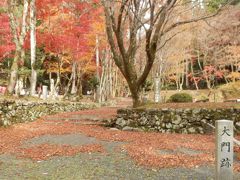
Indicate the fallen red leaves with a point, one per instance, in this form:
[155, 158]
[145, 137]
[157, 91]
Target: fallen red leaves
[149, 156]
[104, 113]
[45, 151]
[143, 147]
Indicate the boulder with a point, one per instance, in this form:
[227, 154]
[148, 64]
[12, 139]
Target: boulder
[121, 122]
[177, 119]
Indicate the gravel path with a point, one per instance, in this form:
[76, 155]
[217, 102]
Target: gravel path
[92, 166]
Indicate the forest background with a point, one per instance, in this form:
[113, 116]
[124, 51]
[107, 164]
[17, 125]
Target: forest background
[67, 41]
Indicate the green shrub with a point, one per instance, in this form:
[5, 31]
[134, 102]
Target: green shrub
[180, 97]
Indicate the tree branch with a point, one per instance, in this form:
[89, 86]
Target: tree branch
[189, 21]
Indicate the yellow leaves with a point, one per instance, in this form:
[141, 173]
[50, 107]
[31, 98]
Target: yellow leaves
[54, 69]
[98, 30]
[234, 76]
[63, 65]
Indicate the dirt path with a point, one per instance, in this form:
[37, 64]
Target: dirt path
[77, 146]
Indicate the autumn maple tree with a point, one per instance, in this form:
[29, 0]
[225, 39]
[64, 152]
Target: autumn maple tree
[79, 39]
[67, 30]
[126, 19]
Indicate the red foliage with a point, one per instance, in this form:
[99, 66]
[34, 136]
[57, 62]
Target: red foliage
[211, 70]
[63, 28]
[66, 28]
[6, 44]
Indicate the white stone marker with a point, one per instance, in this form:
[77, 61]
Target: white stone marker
[44, 92]
[224, 150]
[52, 87]
[156, 89]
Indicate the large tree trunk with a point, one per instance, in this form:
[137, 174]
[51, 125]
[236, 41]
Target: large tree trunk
[125, 57]
[135, 97]
[33, 46]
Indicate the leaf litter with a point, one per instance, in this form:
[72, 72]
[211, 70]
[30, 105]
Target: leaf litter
[142, 147]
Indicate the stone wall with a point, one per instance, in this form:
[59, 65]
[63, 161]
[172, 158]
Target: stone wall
[12, 112]
[173, 120]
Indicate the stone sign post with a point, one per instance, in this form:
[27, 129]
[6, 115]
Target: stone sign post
[44, 92]
[224, 150]
[156, 89]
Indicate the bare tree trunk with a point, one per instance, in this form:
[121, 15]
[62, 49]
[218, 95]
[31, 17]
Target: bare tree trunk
[58, 82]
[224, 76]
[68, 85]
[79, 87]
[177, 85]
[50, 76]
[98, 93]
[115, 84]
[111, 73]
[181, 81]
[18, 40]
[198, 59]
[186, 74]
[161, 70]
[177, 75]
[73, 90]
[232, 69]
[33, 45]
[13, 75]
[208, 82]
[79, 84]
[102, 80]
[194, 80]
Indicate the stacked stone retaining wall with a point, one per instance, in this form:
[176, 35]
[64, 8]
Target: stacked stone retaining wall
[173, 120]
[12, 112]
